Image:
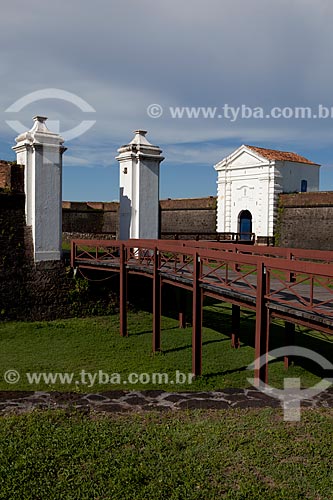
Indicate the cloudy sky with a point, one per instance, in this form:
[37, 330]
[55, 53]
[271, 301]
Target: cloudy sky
[121, 56]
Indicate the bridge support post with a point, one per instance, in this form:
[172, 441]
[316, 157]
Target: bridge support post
[157, 295]
[289, 336]
[292, 276]
[262, 328]
[197, 314]
[235, 326]
[123, 292]
[182, 309]
[182, 319]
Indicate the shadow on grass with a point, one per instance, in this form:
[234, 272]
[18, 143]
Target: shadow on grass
[219, 318]
[225, 372]
[145, 332]
[189, 346]
[234, 370]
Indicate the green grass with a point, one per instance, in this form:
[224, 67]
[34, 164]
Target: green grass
[94, 344]
[89, 248]
[66, 245]
[231, 455]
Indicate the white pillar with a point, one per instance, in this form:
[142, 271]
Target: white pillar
[40, 151]
[139, 188]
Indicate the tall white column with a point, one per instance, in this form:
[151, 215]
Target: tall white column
[139, 188]
[40, 151]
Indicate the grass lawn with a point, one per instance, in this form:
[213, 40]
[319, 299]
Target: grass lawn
[94, 344]
[199, 455]
[233, 454]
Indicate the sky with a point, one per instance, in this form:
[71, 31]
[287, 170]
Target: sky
[108, 61]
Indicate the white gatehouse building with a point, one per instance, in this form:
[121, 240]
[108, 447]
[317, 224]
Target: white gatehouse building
[249, 182]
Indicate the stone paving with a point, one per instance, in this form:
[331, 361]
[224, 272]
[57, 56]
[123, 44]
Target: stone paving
[140, 401]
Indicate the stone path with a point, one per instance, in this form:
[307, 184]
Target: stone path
[140, 401]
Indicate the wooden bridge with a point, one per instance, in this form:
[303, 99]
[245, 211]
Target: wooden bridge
[291, 284]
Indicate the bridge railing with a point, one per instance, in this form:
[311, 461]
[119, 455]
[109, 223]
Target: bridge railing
[230, 237]
[105, 251]
[310, 289]
[228, 270]
[323, 256]
[273, 252]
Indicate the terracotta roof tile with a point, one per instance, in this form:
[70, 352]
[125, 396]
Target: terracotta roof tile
[272, 154]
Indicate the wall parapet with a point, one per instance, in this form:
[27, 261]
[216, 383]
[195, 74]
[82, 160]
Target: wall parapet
[308, 200]
[11, 177]
[208, 203]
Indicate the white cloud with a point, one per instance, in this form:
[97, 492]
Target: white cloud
[122, 56]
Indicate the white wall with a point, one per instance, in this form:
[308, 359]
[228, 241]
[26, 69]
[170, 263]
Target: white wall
[127, 182]
[293, 173]
[47, 230]
[139, 199]
[149, 199]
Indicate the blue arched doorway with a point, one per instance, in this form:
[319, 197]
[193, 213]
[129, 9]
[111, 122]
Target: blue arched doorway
[245, 225]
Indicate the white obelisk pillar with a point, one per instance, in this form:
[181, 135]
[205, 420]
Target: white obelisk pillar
[40, 151]
[139, 188]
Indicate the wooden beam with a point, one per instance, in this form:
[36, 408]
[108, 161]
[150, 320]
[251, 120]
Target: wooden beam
[197, 313]
[235, 326]
[123, 292]
[157, 295]
[262, 328]
[289, 337]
